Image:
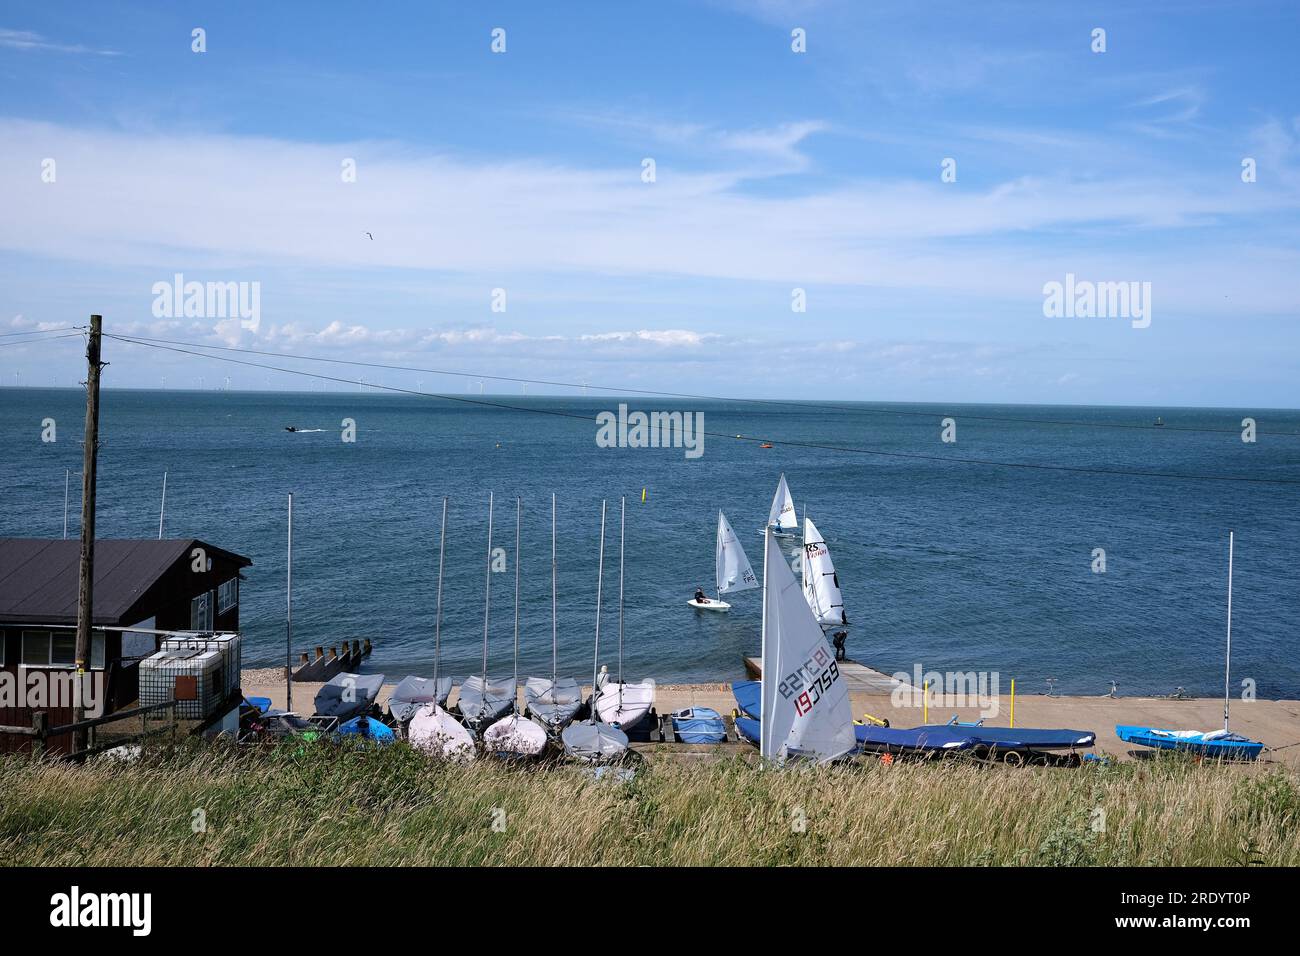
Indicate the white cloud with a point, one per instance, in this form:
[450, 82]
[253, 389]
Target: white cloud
[27, 40]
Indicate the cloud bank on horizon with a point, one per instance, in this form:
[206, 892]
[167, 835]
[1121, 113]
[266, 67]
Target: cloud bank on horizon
[677, 199]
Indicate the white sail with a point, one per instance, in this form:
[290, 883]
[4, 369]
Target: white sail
[805, 703]
[782, 517]
[733, 569]
[821, 586]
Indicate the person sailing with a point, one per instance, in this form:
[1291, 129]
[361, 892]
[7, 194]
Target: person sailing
[700, 597]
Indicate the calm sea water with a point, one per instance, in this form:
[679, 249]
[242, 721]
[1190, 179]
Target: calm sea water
[949, 565]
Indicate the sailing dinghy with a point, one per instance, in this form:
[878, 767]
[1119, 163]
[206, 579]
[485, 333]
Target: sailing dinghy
[821, 585]
[732, 570]
[591, 740]
[484, 699]
[555, 701]
[432, 729]
[515, 735]
[804, 703]
[348, 695]
[781, 518]
[412, 693]
[623, 704]
[1216, 743]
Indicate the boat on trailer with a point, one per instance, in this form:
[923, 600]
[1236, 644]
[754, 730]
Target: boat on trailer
[555, 701]
[1223, 744]
[732, 570]
[592, 740]
[749, 698]
[348, 695]
[515, 735]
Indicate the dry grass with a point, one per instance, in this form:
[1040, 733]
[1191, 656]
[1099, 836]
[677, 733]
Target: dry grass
[321, 806]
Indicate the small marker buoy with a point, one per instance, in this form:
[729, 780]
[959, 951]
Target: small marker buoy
[642, 496]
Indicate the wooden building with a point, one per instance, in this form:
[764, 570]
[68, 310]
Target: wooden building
[168, 585]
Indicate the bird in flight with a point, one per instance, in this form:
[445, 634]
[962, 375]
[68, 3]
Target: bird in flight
[370, 237]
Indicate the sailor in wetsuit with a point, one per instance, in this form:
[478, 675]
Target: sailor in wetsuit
[699, 596]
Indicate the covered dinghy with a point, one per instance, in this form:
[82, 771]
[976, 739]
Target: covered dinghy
[348, 695]
[748, 694]
[593, 741]
[553, 702]
[411, 693]
[481, 702]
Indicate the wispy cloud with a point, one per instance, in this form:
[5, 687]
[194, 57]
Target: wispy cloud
[28, 40]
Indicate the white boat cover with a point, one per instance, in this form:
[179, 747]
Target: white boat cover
[805, 702]
[733, 571]
[413, 692]
[515, 735]
[625, 705]
[554, 703]
[480, 704]
[593, 741]
[435, 731]
[821, 585]
[346, 695]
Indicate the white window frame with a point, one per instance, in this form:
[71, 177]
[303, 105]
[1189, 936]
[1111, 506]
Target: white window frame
[206, 622]
[98, 649]
[230, 599]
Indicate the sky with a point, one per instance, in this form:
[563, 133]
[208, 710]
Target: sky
[874, 218]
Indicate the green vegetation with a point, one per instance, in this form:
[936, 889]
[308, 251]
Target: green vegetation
[318, 805]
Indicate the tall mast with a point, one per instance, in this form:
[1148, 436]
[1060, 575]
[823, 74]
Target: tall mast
[765, 675]
[553, 611]
[288, 614]
[437, 620]
[600, 578]
[487, 595]
[514, 700]
[1227, 664]
[622, 520]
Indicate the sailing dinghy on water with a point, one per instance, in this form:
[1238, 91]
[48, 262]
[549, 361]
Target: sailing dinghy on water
[554, 702]
[592, 740]
[432, 729]
[821, 585]
[805, 709]
[484, 699]
[1216, 743]
[732, 570]
[515, 735]
[781, 519]
[624, 704]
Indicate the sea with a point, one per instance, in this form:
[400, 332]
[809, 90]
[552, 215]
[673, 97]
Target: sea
[984, 553]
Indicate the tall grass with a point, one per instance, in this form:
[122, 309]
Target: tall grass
[322, 806]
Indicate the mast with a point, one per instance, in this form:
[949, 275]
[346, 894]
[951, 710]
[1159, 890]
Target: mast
[600, 577]
[553, 610]
[162, 508]
[622, 520]
[514, 700]
[437, 620]
[67, 476]
[717, 553]
[487, 596]
[1227, 664]
[288, 616]
[764, 675]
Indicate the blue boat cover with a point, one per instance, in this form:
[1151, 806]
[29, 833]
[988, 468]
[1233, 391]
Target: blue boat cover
[1022, 738]
[699, 725]
[871, 737]
[367, 727]
[749, 698]
[1215, 744]
[747, 728]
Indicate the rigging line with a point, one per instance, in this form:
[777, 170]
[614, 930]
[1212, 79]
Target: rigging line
[806, 406]
[556, 413]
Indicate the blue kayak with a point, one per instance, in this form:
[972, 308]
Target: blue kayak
[367, 728]
[1218, 743]
[749, 698]
[1022, 738]
[699, 725]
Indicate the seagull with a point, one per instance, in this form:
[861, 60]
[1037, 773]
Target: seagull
[370, 237]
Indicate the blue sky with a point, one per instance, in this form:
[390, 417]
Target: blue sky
[774, 171]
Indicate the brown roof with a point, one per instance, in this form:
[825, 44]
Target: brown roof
[38, 577]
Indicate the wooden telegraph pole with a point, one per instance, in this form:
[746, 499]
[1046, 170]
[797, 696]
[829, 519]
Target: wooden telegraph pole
[86, 575]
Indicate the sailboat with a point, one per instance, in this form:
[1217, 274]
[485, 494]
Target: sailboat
[484, 699]
[732, 571]
[431, 727]
[821, 585]
[805, 710]
[782, 519]
[623, 703]
[556, 701]
[515, 735]
[593, 740]
[1217, 743]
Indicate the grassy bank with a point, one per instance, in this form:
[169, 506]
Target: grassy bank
[320, 806]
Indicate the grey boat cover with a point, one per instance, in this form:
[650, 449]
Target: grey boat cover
[412, 693]
[554, 703]
[348, 695]
[481, 705]
[594, 742]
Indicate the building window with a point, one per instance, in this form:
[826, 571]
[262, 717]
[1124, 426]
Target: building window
[59, 649]
[201, 612]
[228, 596]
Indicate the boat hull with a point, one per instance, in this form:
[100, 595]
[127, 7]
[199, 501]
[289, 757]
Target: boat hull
[1223, 746]
[594, 742]
[437, 732]
[710, 605]
[628, 709]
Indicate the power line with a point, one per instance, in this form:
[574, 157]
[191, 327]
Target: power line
[557, 413]
[48, 338]
[622, 390]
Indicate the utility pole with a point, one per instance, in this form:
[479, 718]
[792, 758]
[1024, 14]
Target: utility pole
[86, 575]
